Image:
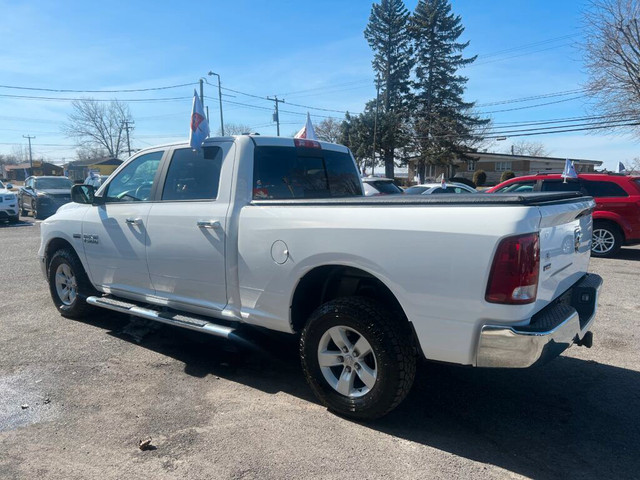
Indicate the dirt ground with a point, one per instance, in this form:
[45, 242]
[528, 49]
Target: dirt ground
[77, 396]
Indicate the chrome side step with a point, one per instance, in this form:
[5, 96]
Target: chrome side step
[192, 322]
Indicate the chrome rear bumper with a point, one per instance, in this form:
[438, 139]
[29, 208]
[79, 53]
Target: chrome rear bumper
[551, 331]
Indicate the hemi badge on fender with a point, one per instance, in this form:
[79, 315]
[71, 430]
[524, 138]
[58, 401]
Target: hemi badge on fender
[77, 235]
[546, 267]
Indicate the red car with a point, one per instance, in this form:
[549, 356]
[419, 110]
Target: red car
[616, 219]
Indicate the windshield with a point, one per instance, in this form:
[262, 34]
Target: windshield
[53, 183]
[385, 187]
[415, 190]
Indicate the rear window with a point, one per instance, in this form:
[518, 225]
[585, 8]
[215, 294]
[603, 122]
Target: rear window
[387, 188]
[289, 172]
[415, 190]
[604, 189]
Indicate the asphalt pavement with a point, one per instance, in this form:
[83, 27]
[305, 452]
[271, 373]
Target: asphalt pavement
[76, 397]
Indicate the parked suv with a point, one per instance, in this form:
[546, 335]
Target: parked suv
[616, 219]
[42, 196]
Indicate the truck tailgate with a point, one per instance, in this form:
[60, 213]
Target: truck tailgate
[565, 246]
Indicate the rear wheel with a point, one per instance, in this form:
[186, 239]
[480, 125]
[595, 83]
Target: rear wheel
[358, 357]
[69, 285]
[607, 239]
[34, 209]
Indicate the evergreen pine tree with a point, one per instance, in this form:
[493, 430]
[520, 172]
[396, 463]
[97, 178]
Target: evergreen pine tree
[388, 37]
[442, 120]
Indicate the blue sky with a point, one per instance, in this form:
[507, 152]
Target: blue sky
[309, 53]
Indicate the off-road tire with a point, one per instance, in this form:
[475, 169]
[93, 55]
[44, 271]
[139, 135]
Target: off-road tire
[78, 307]
[390, 338]
[14, 219]
[609, 233]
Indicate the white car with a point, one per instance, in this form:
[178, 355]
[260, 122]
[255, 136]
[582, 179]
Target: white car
[8, 203]
[380, 186]
[430, 188]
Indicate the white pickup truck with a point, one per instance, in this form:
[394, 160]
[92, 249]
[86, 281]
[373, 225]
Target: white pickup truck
[275, 233]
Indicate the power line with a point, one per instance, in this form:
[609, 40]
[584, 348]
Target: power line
[534, 97]
[150, 89]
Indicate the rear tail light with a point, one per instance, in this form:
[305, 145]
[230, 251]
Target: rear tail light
[303, 142]
[514, 273]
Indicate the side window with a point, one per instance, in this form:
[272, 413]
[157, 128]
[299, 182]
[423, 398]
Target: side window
[133, 183]
[286, 172]
[193, 175]
[519, 187]
[604, 189]
[560, 186]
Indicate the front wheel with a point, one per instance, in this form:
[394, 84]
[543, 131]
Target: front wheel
[69, 285]
[34, 209]
[357, 357]
[606, 240]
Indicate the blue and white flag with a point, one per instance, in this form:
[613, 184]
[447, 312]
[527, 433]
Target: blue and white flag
[620, 168]
[199, 124]
[569, 170]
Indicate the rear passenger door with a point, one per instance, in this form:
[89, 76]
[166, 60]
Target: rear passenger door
[187, 229]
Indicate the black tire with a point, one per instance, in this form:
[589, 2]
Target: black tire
[72, 306]
[34, 209]
[14, 219]
[23, 212]
[390, 341]
[607, 239]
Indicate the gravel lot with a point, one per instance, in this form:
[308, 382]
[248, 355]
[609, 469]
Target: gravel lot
[94, 388]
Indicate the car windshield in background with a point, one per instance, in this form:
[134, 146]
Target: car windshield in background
[53, 183]
[385, 187]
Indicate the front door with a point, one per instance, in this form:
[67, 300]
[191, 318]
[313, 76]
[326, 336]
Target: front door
[115, 234]
[187, 229]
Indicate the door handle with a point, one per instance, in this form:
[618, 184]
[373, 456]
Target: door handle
[213, 224]
[133, 221]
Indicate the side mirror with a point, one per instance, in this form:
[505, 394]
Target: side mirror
[83, 194]
[9, 186]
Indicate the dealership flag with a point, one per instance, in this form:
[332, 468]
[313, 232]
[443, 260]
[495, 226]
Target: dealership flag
[620, 168]
[307, 131]
[569, 170]
[199, 124]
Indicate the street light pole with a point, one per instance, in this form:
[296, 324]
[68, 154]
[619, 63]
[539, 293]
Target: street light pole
[220, 100]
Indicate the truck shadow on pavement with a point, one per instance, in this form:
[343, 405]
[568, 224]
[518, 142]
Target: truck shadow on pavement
[628, 254]
[568, 419]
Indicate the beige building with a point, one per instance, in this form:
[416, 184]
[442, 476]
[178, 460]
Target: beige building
[495, 164]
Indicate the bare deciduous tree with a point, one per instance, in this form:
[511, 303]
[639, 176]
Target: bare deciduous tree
[612, 56]
[234, 129]
[328, 130]
[533, 149]
[99, 125]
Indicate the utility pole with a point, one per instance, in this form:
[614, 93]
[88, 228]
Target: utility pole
[30, 156]
[127, 128]
[375, 126]
[202, 91]
[277, 115]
